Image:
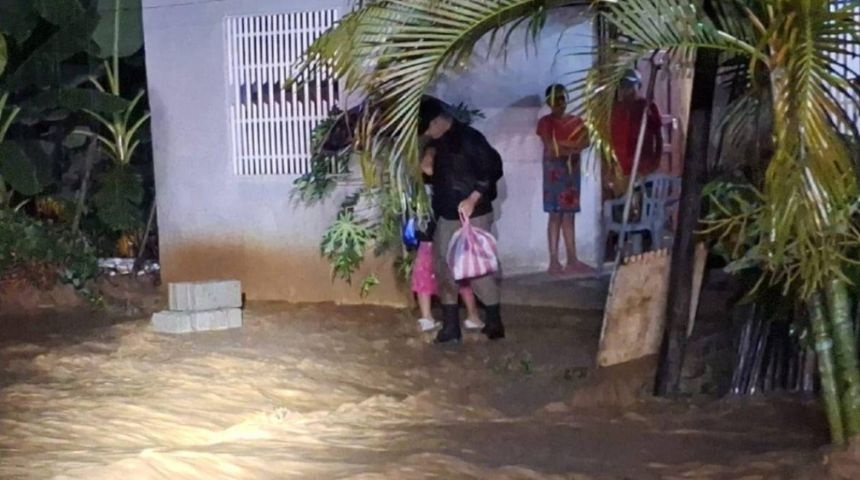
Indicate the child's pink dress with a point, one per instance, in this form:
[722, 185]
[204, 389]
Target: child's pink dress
[423, 276]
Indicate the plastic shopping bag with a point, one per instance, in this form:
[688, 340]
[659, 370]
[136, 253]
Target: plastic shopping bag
[472, 252]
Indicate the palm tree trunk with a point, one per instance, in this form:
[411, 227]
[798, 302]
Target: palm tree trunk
[846, 354]
[824, 351]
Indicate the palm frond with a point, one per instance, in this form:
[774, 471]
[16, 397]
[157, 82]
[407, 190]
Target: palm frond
[811, 185]
[744, 135]
[394, 49]
[677, 27]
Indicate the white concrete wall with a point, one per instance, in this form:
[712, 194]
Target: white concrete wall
[213, 223]
[510, 93]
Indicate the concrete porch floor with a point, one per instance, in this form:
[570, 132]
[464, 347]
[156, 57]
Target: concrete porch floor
[543, 290]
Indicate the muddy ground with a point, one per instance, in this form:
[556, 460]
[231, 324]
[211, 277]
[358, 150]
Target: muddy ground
[323, 392]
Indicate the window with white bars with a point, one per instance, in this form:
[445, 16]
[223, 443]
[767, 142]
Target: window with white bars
[849, 63]
[270, 122]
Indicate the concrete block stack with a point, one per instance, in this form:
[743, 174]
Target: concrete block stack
[201, 306]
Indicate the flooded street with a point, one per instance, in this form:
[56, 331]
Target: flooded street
[320, 392]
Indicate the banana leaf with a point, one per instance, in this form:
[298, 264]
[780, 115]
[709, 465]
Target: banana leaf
[18, 19]
[75, 99]
[58, 12]
[18, 170]
[121, 20]
[42, 67]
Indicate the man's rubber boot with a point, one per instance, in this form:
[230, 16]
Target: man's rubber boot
[450, 332]
[493, 328]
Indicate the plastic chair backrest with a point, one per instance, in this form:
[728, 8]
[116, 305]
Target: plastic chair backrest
[659, 186]
[658, 189]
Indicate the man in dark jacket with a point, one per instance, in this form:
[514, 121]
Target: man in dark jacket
[465, 172]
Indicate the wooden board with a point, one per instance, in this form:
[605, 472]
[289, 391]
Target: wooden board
[635, 314]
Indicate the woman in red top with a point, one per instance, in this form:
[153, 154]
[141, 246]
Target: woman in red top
[564, 138]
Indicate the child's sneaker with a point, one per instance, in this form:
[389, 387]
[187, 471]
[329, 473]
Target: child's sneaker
[428, 324]
[473, 324]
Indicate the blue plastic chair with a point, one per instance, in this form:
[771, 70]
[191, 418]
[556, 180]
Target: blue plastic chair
[658, 196]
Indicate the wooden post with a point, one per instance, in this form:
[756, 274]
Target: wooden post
[684, 249]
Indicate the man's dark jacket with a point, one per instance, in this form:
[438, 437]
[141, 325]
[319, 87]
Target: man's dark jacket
[465, 162]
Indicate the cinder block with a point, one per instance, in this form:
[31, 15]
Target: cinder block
[221, 319]
[200, 296]
[189, 321]
[234, 318]
[172, 322]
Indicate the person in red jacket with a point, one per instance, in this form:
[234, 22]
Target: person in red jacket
[625, 124]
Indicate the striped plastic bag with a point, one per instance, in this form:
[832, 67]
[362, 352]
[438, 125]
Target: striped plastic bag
[472, 252]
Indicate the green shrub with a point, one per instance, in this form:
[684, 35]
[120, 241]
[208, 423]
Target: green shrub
[27, 243]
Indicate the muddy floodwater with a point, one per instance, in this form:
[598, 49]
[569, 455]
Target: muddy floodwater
[321, 392]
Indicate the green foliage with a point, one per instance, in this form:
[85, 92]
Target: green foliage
[124, 129]
[385, 207]
[120, 21]
[42, 66]
[369, 221]
[4, 54]
[329, 166]
[465, 113]
[41, 155]
[403, 266]
[320, 181]
[345, 243]
[368, 284]
[316, 184]
[512, 363]
[18, 170]
[25, 242]
[76, 99]
[58, 11]
[18, 19]
[54, 42]
[118, 200]
[728, 225]
[76, 26]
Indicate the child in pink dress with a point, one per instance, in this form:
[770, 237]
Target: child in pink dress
[424, 278]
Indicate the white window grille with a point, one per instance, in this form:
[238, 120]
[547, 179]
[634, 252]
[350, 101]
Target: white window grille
[271, 125]
[848, 64]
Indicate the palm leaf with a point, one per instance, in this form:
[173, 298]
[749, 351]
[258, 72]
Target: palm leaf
[744, 135]
[396, 48]
[677, 27]
[811, 185]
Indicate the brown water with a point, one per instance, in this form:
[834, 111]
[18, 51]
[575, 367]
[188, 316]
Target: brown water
[319, 392]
